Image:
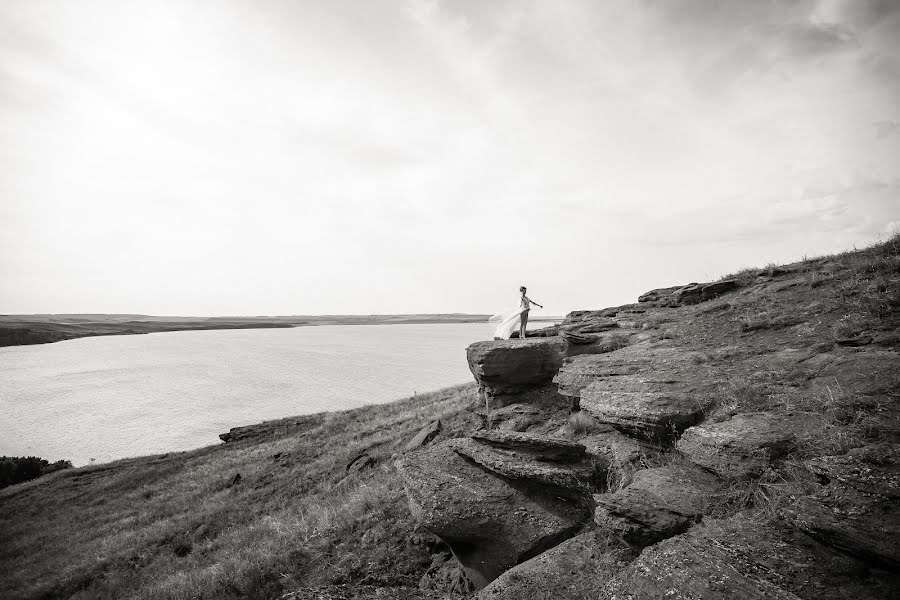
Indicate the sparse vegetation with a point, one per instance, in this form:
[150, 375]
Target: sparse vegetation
[177, 526]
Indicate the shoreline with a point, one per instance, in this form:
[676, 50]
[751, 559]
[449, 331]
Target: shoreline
[24, 330]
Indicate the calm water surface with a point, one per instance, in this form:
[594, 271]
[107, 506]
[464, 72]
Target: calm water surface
[105, 398]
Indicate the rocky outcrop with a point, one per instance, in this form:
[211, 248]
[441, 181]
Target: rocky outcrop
[675, 433]
[857, 507]
[577, 569]
[491, 522]
[658, 503]
[740, 559]
[691, 293]
[746, 444]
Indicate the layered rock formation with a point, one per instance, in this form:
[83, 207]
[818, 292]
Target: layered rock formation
[631, 453]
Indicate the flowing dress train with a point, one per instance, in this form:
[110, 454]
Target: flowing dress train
[507, 322]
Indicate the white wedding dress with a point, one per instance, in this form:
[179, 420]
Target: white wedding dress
[507, 322]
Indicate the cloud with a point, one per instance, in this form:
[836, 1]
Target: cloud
[272, 158]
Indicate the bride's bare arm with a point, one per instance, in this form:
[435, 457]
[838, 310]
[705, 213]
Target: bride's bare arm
[533, 302]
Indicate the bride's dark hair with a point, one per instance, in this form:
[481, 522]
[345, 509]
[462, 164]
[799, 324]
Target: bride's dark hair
[522, 288]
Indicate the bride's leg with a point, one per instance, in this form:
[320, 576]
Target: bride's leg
[523, 321]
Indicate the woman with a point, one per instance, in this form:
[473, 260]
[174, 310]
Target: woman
[525, 305]
[509, 320]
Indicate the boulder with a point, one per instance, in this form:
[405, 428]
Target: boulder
[857, 506]
[745, 445]
[576, 569]
[507, 368]
[516, 363]
[650, 415]
[425, 435]
[658, 503]
[576, 474]
[489, 522]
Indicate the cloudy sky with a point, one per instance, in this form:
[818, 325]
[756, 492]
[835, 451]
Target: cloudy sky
[291, 157]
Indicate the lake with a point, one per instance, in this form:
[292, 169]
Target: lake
[103, 398]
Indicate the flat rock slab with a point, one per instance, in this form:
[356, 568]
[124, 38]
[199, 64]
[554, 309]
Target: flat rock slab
[738, 559]
[577, 569]
[489, 522]
[654, 416]
[745, 445]
[425, 435]
[659, 503]
[543, 447]
[576, 476]
[870, 373]
[637, 369]
[856, 509]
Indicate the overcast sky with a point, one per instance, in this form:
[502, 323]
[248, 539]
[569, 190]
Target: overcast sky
[266, 157]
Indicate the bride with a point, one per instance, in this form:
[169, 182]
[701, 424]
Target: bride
[517, 317]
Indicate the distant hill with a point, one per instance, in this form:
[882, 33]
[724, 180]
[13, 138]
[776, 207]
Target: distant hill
[17, 330]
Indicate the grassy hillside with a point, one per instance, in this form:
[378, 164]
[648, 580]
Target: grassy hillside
[178, 526]
[184, 526]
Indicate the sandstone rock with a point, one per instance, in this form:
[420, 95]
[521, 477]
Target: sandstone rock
[738, 559]
[717, 288]
[578, 338]
[527, 362]
[659, 503]
[576, 569]
[514, 417]
[871, 373]
[425, 435]
[576, 475]
[542, 447]
[506, 368]
[692, 293]
[637, 369]
[657, 295]
[654, 416]
[747, 443]
[490, 523]
[619, 454]
[856, 509]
